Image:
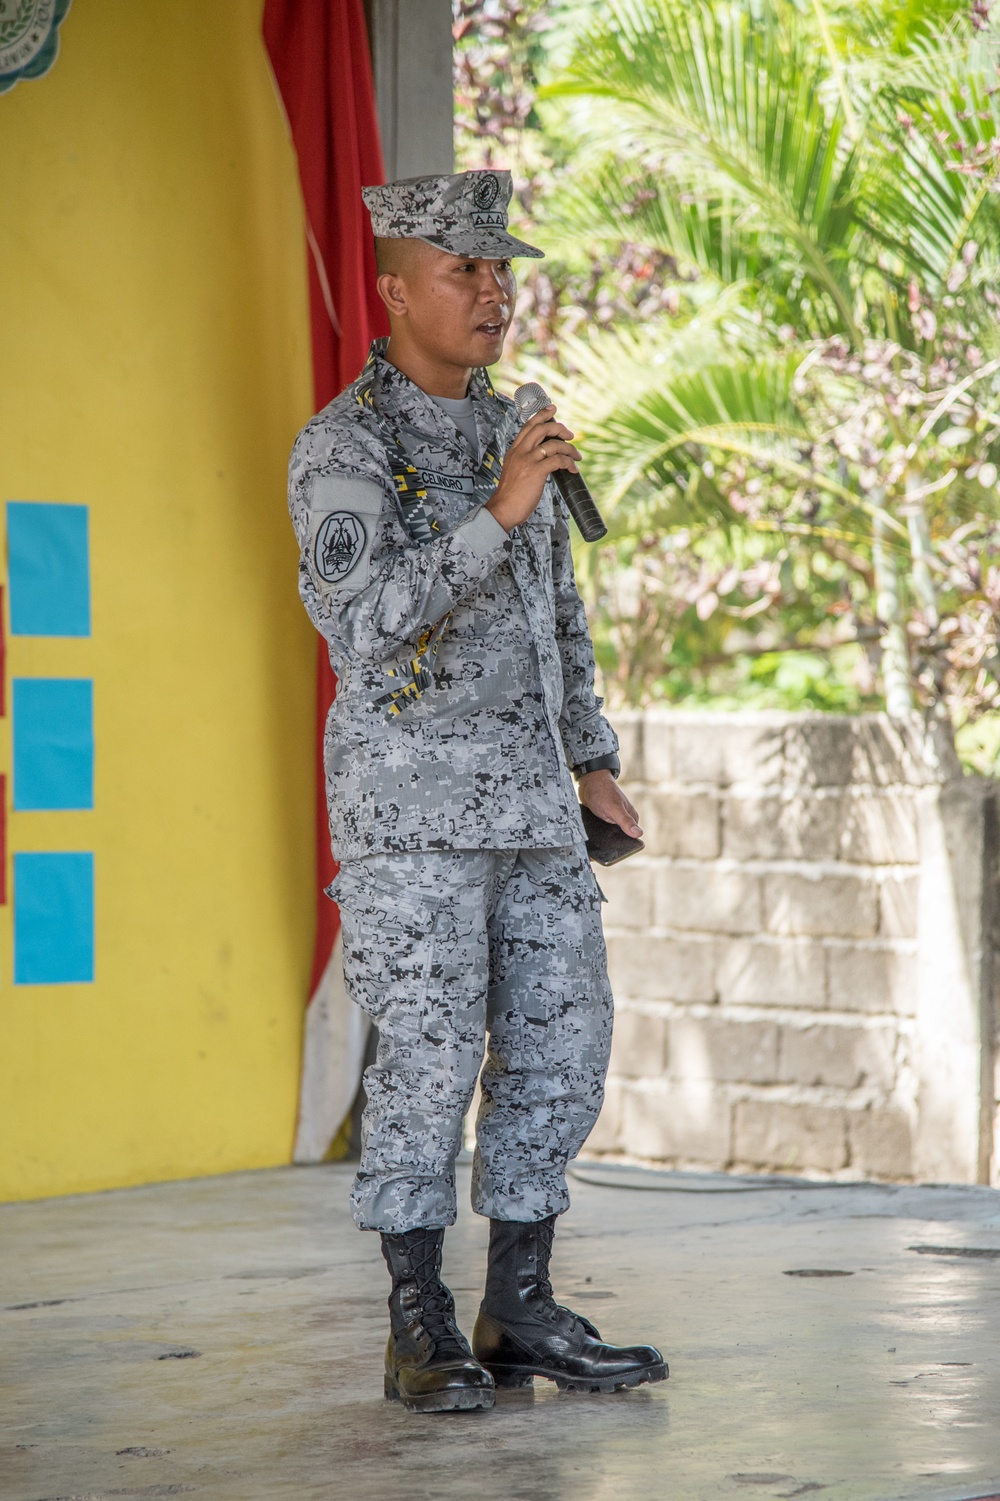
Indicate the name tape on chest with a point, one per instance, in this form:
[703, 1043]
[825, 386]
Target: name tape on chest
[455, 484]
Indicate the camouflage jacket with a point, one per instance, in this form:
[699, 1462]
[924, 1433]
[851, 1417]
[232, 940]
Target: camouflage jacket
[481, 757]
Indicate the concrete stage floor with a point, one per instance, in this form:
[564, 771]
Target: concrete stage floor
[222, 1338]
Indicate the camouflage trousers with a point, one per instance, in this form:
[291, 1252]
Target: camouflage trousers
[451, 953]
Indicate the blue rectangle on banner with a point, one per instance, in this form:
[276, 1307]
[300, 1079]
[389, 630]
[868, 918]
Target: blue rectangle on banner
[49, 569]
[53, 743]
[53, 919]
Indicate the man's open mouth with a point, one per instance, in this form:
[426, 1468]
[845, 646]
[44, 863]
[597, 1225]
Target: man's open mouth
[491, 330]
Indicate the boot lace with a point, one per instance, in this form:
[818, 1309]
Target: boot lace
[546, 1304]
[546, 1296]
[437, 1306]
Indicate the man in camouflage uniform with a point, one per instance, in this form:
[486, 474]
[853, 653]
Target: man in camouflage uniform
[435, 560]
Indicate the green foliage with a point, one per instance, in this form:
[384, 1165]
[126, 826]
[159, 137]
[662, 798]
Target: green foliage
[978, 745]
[772, 316]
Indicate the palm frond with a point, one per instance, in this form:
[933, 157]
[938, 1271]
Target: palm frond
[744, 119]
[614, 366]
[931, 187]
[626, 195]
[729, 406]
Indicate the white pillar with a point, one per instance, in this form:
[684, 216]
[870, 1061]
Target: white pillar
[411, 44]
[956, 940]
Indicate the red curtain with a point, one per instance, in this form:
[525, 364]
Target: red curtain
[322, 65]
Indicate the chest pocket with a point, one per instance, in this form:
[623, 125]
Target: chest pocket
[536, 535]
[544, 514]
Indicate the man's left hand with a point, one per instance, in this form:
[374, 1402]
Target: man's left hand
[602, 795]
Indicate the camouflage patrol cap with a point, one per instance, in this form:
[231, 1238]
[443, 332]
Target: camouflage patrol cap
[465, 213]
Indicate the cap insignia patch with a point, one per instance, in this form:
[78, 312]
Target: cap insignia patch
[486, 191]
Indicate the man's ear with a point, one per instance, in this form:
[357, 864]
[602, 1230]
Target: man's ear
[392, 290]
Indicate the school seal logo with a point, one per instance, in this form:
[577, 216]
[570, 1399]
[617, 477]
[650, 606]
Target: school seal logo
[340, 542]
[29, 38]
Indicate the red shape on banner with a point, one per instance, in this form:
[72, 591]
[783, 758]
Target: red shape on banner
[322, 65]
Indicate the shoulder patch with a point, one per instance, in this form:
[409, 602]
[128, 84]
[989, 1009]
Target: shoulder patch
[343, 526]
[340, 542]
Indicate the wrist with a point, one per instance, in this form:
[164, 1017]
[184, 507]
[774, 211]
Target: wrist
[609, 763]
[501, 512]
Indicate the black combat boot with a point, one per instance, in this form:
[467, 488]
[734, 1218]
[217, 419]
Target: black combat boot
[428, 1364]
[522, 1332]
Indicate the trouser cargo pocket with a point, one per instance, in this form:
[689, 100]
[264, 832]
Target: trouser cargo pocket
[388, 944]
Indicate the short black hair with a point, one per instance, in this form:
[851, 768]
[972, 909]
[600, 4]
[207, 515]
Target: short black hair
[392, 255]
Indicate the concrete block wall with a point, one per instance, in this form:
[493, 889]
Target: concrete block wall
[802, 958]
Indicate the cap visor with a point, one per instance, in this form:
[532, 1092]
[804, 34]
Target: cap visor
[484, 244]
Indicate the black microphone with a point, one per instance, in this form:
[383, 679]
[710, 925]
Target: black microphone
[530, 400]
